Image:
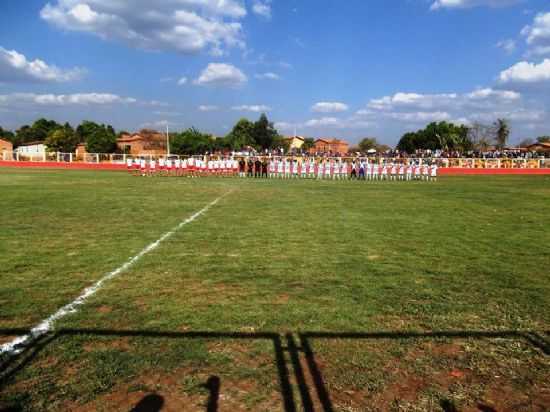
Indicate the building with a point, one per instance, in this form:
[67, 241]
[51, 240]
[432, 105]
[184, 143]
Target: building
[31, 149]
[539, 147]
[146, 142]
[295, 142]
[330, 146]
[5, 146]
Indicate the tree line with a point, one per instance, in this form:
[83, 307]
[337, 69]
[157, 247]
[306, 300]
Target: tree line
[101, 138]
[98, 138]
[451, 137]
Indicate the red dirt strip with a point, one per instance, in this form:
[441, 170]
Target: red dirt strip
[443, 171]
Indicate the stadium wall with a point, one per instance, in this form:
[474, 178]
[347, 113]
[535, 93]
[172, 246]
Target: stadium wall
[449, 171]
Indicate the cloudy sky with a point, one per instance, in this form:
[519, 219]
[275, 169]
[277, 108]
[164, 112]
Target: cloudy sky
[337, 68]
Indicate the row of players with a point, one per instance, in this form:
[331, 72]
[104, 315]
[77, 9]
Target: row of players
[285, 168]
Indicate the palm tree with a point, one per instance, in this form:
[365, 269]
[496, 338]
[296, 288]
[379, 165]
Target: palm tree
[502, 132]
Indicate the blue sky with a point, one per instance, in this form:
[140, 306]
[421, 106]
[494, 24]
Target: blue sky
[345, 69]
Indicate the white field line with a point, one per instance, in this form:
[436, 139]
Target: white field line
[20, 343]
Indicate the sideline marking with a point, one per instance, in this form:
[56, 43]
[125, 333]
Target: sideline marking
[17, 345]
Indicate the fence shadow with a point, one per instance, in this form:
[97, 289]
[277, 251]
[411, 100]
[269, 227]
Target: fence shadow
[285, 349]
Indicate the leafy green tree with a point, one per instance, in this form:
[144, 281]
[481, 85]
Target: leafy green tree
[42, 128]
[98, 138]
[7, 135]
[543, 139]
[309, 142]
[264, 134]
[62, 139]
[241, 135]
[190, 142]
[367, 144]
[442, 136]
[502, 133]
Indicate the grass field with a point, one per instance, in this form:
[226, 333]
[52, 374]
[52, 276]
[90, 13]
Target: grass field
[284, 296]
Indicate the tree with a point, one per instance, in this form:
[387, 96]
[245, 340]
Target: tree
[241, 135]
[543, 139]
[367, 144]
[62, 139]
[502, 133]
[481, 136]
[437, 136]
[309, 143]
[42, 128]
[263, 133]
[7, 135]
[98, 138]
[191, 142]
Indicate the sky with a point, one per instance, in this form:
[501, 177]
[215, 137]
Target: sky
[320, 68]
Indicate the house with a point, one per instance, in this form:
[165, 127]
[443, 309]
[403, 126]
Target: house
[295, 142]
[5, 146]
[146, 142]
[539, 147]
[330, 146]
[31, 149]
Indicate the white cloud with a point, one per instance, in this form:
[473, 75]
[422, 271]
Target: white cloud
[259, 108]
[337, 123]
[262, 8]
[182, 81]
[207, 108]
[221, 74]
[538, 34]
[98, 99]
[525, 72]
[329, 107]
[186, 26]
[14, 67]
[463, 4]
[267, 76]
[480, 98]
[509, 45]
[422, 117]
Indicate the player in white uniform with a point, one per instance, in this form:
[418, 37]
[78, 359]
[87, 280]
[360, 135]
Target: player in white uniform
[401, 171]
[303, 168]
[375, 173]
[168, 167]
[272, 168]
[312, 168]
[287, 169]
[328, 169]
[384, 174]
[162, 165]
[295, 169]
[336, 170]
[280, 168]
[321, 169]
[393, 171]
[130, 165]
[344, 170]
[417, 172]
[369, 170]
[152, 167]
[433, 173]
[409, 171]
[425, 172]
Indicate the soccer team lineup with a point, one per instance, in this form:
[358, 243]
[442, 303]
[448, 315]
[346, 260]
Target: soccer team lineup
[286, 168]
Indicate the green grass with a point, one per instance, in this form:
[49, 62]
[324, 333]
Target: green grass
[463, 254]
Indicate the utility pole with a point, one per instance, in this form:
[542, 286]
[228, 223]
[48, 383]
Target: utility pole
[167, 142]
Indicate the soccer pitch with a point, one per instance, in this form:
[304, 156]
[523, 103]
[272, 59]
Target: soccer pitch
[269, 295]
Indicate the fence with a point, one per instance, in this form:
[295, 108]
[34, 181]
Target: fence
[113, 158]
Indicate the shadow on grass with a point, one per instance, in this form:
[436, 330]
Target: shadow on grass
[10, 366]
